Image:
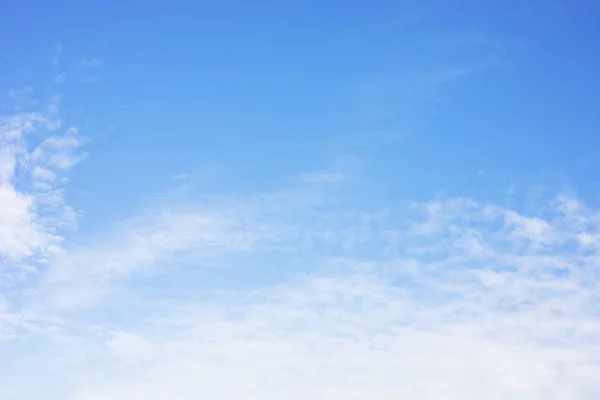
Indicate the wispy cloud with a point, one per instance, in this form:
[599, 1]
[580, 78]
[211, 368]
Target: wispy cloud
[202, 230]
[471, 300]
[27, 180]
[445, 320]
[33, 215]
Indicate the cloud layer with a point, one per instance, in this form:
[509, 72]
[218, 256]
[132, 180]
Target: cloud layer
[473, 301]
[316, 292]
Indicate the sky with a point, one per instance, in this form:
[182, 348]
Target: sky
[289, 200]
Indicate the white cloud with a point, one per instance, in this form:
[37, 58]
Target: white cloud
[476, 301]
[352, 337]
[517, 320]
[20, 234]
[33, 211]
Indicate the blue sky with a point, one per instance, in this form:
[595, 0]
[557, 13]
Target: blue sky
[279, 200]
